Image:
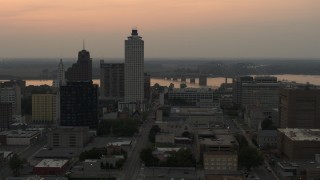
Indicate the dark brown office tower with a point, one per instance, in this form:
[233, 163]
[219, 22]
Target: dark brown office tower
[111, 80]
[5, 115]
[147, 84]
[299, 108]
[82, 70]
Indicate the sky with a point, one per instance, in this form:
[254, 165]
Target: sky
[170, 28]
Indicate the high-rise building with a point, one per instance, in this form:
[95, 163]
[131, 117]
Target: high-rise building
[111, 80]
[237, 88]
[147, 86]
[261, 92]
[12, 94]
[15, 82]
[299, 108]
[134, 68]
[82, 70]
[5, 116]
[79, 104]
[262, 95]
[44, 108]
[60, 81]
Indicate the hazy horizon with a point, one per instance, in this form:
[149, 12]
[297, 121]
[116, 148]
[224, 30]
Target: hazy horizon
[230, 29]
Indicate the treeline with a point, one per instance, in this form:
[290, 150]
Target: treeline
[118, 127]
[180, 158]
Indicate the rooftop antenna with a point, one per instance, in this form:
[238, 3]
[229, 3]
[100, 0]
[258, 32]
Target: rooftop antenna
[84, 44]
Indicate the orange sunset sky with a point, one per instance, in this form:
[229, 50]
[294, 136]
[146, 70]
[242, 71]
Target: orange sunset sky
[170, 28]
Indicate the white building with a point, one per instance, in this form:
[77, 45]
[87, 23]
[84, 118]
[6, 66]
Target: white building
[61, 80]
[134, 68]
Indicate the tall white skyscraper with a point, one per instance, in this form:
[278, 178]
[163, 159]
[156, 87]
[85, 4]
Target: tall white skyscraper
[134, 68]
[61, 80]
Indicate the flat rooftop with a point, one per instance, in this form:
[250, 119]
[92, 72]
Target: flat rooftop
[191, 90]
[219, 153]
[296, 134]
[195, 111]
[59, 153]
[19, 134]
[71, 129]
[120, 143]
[310, 164]
[52, 163]
[219, 140]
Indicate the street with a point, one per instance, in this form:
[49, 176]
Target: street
[133, 164]
[259, 172]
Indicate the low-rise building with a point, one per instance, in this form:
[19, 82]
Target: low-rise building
[194, 96]
[91, 165]
[111, 160]
[296, 143]
[223, 175]
[38, 178]
[220, 161]
[5, 155]
[19, 137]
[165, 138]
[51, 167]
[211, 141]
[189, 119]
[302, 169]
[122, 143]
[68, 137]
[267, 138]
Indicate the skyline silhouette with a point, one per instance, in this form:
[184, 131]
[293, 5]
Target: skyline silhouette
[182, 29]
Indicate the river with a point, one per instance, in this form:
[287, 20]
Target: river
[211, 82]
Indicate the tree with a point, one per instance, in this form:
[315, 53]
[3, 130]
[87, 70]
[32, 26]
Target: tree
[147, 157]
[179, 102]
[241, 140]
[119, 127]
[91, 154]
[16, 163]
[171, 86]
[183, 85]
[145, 116]
[250, 157]
[187, 134]
[267, 124]
[153, 132]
